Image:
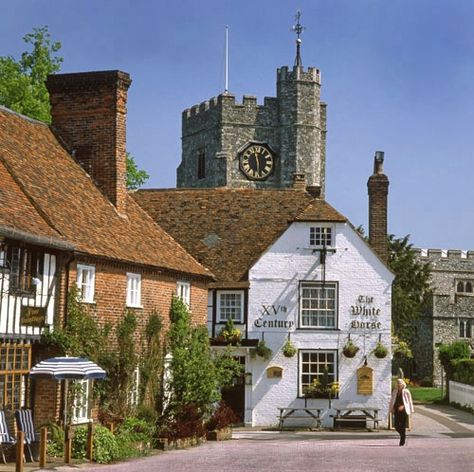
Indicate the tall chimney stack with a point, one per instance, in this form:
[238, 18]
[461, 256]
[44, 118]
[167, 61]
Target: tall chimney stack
[378, 198]
[89, 113]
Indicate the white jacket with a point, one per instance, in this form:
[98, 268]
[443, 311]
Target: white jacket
[407, 401]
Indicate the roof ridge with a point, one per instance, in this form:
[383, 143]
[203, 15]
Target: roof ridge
[24, 117]
[38, 208]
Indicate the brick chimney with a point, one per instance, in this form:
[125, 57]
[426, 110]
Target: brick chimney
[378, 197]
[299, 181]
[89, 113]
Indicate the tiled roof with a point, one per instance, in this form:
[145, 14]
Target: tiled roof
[72, 207]
[227, 230]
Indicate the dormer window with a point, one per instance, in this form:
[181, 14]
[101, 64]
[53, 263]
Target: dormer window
[320, 236]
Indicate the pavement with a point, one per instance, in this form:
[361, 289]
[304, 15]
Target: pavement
[441, 438]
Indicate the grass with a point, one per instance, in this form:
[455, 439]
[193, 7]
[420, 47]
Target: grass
[425, 394]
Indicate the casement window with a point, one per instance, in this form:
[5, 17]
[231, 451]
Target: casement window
[315, 365]
[25, 267]
[464, 286]
[465, 328]
[86, 282]
[134, 290]
[15, 365]
[134, 393]
[230, 306]
[201, 164]
[183, 291]
[80, 407]
[318, 305]
[321, 236]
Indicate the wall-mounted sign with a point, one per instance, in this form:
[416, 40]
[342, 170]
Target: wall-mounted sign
[365, 381]
[33, 316]
[364, 308]
[271, 317]
[274, 372]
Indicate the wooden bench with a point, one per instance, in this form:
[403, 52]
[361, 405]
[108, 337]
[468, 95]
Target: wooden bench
[287, 413]
[356, 417]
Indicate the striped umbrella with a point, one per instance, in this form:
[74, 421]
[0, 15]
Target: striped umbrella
[64, 368]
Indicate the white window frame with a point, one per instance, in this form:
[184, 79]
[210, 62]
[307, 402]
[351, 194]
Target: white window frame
[80, 406]
[319, 305]
[134, 290]
[221, 319]
[183, 291]
[324, 229]
[134, 393]
[466, 327]
[87, 296]
[317, 370]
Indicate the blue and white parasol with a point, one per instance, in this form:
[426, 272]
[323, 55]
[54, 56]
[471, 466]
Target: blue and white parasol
[65, 368]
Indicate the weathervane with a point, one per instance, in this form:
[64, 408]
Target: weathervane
[298, 29]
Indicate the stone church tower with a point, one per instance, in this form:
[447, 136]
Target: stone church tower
[245, 145]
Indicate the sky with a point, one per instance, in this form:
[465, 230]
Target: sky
[397, 76]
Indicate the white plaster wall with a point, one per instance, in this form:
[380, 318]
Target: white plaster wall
[274, 280]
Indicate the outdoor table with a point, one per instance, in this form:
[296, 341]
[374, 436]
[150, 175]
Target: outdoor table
[291, 412]
[357, 413]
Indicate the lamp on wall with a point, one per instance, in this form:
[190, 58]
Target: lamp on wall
[248, 378]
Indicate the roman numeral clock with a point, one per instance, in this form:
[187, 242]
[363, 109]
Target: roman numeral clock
[257, 161]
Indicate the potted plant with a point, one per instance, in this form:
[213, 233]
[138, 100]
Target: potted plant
[402, 351]
[380, 350]
[321, 387]
[289, 349]
[229, 333]
[263, 350]
[350, 349]
[219, 425]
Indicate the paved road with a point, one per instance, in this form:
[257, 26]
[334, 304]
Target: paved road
[441, 440]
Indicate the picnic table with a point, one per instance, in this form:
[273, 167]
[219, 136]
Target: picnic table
[292, 412]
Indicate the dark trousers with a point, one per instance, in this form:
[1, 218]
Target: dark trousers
[401, 425]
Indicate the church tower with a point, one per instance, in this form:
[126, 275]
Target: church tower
[245, 145]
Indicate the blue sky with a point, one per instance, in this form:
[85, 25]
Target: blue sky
[398, 76]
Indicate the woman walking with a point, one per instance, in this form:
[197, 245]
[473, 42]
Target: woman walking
[401, 405]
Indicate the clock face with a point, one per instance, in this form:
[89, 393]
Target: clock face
[256, 162]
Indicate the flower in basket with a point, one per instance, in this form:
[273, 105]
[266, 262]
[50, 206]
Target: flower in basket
[263, 350]
[380, 350]
[229, 333]
[350, 349]
[289, 349]
[402, 351]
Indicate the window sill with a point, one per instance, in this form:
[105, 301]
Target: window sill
[310, 328]
[80, 421]
[87, 302]
[139, 307]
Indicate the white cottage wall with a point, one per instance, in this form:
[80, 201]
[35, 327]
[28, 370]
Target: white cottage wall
[274, 296]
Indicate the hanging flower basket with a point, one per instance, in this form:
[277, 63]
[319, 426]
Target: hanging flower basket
[402, 351]
[350, 349]
[380, 351]
[289, 349]
[263, 350]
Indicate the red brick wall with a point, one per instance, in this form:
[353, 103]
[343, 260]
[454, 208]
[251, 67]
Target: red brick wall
[378, 214]
[89, 113]
[157, 290]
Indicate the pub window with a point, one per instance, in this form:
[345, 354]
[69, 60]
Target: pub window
[86, 282]
[25, 266]
[316, 365]
[183, 291]
[318, 305]
[134, 288]
[230, 306]
[465, 328]
[320, 236]
[80, 407]
[201, 163]
[15, 365]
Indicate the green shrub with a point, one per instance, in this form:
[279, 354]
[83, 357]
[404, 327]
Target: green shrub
[55, 446]
[463, 371]
[136, 430]
[105, 445]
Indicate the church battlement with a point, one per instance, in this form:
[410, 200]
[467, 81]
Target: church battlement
[438, 255]
[298, 73]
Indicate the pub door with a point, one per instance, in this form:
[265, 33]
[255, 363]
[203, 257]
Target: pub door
[234, 396]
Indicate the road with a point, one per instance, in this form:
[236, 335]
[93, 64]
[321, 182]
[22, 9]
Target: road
[441, 439]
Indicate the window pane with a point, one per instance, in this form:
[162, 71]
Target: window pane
[318, 305]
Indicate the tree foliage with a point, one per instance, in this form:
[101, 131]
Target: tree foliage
[23, 81]
[195, 374]
[411, 291]
[135, 177]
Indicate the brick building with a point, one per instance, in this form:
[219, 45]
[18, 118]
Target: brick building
[64, 198]
[450, 315]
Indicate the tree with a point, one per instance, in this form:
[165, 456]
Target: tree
[448, 353]
[411, 291]
[135, 177]
[23, 87]
[23, 81]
